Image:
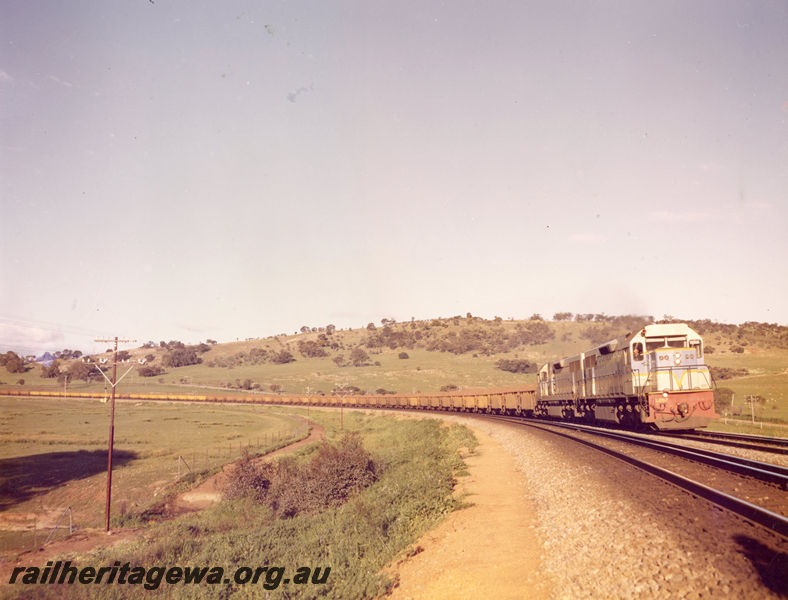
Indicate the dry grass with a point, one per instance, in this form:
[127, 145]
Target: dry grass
[53, 451]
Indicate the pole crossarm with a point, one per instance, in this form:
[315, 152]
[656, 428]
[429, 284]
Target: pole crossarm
[118, 341]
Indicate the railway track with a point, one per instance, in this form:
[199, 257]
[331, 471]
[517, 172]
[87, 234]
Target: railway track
[762, 471]
[746, 441]
[751, 478]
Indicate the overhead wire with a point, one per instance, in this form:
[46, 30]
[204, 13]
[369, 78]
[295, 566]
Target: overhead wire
[19, 325]
[51, 326]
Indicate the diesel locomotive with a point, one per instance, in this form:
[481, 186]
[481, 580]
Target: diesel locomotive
[652, 378]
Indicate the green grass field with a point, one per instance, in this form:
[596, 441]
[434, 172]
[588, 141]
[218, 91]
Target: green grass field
[53, 452]
[422, 372]
[417, 461]
[767, 377]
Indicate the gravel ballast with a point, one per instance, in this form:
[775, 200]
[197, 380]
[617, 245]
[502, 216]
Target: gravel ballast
[611, 531]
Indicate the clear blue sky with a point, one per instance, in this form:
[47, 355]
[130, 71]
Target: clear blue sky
[193, 170]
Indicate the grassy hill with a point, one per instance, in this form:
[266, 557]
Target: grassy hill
[424, 356]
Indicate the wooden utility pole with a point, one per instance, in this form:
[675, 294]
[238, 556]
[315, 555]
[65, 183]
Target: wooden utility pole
[113, 383]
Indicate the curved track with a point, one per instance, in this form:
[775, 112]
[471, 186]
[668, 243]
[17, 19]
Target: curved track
[762, 472]
[746, 441]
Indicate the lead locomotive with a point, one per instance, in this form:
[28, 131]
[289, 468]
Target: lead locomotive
[655, 377]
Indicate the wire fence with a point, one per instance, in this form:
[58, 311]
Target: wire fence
[195, 461]
[34, 529]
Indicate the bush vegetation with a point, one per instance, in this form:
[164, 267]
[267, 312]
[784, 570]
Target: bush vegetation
[282, 357]
[150, 371]
[727, 372]
[516, 365]
[416, 462]
[311, 349]
[180, 357]
[51, 371]
[332, 475]
[13, 362]
[80, 370]
[358, 357]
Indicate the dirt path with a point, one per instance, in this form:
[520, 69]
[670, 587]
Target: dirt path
[210, 490]
[488, 550]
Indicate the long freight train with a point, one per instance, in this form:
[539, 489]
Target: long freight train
[654, 378]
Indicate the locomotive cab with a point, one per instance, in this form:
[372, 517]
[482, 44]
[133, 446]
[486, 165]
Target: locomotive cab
[671, 378]
[672, 362]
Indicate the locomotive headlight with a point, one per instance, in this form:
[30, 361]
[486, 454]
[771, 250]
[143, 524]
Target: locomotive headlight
[678, 358]
[664, 394]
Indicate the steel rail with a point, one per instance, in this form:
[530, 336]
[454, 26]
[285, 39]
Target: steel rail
[770, 520]
[762, 471]
[750, 437]
[746, 441]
